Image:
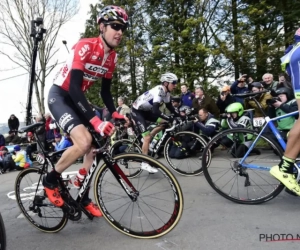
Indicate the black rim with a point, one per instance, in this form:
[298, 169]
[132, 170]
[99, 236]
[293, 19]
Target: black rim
[36, 208]
[243, 185]
[136, 211]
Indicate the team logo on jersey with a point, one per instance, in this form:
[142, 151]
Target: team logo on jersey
[52, 100]
[84, 51]
[64, 119]
[65, 71]
[96, 68]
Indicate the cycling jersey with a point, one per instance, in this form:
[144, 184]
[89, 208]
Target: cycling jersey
[154, 95]
[87, 55]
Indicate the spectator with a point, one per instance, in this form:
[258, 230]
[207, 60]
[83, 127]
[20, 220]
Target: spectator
[284, 103]
[176, 102]
[6, 162]
[284, 81]
[61, 143]
[261, 98]
[2, 140]
[122, 109]
[225, 99]
[268, 82]
[206, 123]
[20, 158]
[105, 114]
[239, 87]
[186, 96]
[31, 145]
[204, 101]
[12, 138]
[13, 123]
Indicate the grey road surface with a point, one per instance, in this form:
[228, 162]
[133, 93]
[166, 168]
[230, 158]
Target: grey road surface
[208, 222]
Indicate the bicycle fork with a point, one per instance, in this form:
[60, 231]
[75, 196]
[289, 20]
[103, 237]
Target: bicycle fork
[121, 178]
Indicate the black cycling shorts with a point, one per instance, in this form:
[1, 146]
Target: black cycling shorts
[141, 117]
[64, 110]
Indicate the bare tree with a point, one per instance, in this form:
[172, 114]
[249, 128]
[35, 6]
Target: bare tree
[15, 17]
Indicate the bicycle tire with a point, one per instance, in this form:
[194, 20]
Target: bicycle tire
[278, 187]
[35, 212]
[2, 234]
[175, 203]
[180, 168]
[131, 173]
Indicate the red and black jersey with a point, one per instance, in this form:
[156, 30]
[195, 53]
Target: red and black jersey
[87, 55]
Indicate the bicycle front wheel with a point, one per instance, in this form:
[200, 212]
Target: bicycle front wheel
[159, 204]
[183, 152]
[247, 181]
[2, 234]
[34, 204]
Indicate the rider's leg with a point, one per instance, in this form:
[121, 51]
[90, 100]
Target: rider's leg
[284, 171]
[81, 144]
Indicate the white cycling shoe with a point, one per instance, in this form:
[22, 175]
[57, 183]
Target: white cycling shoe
[145, 166]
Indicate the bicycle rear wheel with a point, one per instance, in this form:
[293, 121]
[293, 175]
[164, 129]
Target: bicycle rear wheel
[127, 146]
[159, 204]
[34, 204]
[247, 182]
[183, 152]
[2, 234]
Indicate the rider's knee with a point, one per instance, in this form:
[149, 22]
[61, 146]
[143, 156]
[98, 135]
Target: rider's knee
[147, 138]
[85, 143]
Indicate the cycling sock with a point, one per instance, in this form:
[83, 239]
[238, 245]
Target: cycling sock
[286, 165]
[52, 176]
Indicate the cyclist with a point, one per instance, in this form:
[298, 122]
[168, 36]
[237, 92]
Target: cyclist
[284, 170]
[90, 59]
[146, 108]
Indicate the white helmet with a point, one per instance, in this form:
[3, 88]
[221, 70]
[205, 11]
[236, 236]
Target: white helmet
[169, 77]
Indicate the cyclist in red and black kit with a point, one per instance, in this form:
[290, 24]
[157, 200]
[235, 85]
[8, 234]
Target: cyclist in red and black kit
[90, 59]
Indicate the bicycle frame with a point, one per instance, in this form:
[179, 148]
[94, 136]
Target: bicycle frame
[101, 153]
[275, 132]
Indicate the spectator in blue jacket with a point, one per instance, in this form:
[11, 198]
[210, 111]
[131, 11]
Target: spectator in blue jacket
[61, 142]
[186, 96]
[239, 87]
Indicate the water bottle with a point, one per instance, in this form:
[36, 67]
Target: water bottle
[152, 144]
[79, 177]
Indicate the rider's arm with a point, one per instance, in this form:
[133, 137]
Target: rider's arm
[170, 107]
[77, 94]
[233, 87]
[106, 95]
[157, 112]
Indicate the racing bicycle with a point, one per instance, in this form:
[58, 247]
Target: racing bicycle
[147, 206]
[246, 180]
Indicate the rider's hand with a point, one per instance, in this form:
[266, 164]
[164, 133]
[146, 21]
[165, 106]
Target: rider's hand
[116, 115]
[104, 128]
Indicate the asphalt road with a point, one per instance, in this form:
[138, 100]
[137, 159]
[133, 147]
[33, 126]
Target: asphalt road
[208, 222]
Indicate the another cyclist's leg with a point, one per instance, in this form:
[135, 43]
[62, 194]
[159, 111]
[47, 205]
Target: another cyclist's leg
[138, 117]
[64, 112]
[284, 171]
[86, 201]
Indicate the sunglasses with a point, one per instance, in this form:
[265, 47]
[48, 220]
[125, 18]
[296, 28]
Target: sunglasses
[117, 26]
[174, 82]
